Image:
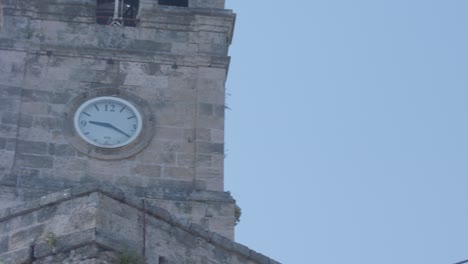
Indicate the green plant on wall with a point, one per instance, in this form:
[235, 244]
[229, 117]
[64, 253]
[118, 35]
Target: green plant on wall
[238, 213]
[51, 239]
[130, 257]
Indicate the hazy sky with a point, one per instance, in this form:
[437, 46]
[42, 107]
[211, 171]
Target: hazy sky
[347, 141]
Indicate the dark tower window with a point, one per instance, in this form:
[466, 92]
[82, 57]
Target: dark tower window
[173, 2]
[117, 12]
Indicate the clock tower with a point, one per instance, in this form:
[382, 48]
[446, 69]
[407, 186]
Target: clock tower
[112, 123]
[78, 83]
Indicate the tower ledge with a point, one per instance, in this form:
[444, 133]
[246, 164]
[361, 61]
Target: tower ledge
[98, 222]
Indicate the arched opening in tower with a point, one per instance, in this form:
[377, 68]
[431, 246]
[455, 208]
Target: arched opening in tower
[183, 3]
[117, 12]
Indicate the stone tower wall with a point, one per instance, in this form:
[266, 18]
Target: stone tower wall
[175, 62]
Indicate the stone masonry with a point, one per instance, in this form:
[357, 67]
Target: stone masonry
[173, 63]
[90, 224]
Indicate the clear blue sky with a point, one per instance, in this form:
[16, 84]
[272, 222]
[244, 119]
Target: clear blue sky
[347, 141]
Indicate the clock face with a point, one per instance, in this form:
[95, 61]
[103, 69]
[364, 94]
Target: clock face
[108, 122]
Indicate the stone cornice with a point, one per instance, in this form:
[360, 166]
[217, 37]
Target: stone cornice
[95, 235]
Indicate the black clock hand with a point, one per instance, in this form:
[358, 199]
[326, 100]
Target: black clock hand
[108, 126]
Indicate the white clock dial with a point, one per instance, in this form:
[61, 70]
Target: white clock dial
[108, 122]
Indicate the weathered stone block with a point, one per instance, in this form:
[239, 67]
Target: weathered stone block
[210, 122]
[90, 253]
[8, 131]
[222, 241]
[210, 148]
[115, 208]
[52, 97]
[3, 142]
[201, 231]
[116, 241]
[64, 243]
[17, 256]
[160, 213]
[148, 170]
[61, 150]
[70, 164]
[205, 109]
[207, 3]
[4, 244]
[55, 197]
[30, 147]
[178, 173]
[26, 237]
[10, 91]
[219, 111]
[25, 120]
[45, 214]
[210, 183]
[241, 249]
[35, 161]
[8, 197]
[46, 123]
[35, 108]
[203, 134]
[7, 104]
[9, 118]
[25, 218]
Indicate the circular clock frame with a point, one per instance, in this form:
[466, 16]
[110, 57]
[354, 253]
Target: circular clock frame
[125, 150]
[104, 121]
